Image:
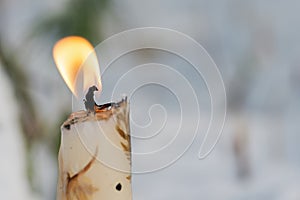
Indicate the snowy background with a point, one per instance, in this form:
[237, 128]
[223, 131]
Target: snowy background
[254, 44]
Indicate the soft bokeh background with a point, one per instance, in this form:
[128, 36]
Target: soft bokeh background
[254, 43]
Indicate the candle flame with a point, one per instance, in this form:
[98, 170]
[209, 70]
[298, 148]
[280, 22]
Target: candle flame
[75, 55]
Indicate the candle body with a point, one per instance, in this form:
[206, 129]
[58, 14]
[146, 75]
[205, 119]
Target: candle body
[95, 155]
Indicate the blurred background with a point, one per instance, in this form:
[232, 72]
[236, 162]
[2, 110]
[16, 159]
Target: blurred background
[254, 44]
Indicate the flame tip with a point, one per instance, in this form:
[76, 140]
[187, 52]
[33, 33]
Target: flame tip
[74, 54]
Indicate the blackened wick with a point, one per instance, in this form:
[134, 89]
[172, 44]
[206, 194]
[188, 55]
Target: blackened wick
[89, 101]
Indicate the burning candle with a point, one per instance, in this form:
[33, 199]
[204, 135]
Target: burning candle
[95, 152]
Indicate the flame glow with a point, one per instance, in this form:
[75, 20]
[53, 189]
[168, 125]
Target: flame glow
[74, 55]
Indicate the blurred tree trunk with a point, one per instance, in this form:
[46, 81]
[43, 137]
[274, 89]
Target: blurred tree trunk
[14, 184]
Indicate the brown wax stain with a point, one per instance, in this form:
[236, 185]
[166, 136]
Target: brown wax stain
[126, 147]
[80, 187]
[121, 132]
[128, 177]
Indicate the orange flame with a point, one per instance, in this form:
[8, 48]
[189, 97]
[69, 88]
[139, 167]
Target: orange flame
[74, 55]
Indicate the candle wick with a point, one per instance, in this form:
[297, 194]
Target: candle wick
[89, 100]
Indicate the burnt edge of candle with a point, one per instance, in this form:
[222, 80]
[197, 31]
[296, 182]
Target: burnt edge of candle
[99, 112]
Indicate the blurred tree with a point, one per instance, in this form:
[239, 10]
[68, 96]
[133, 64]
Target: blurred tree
[13, 68]
[30, 123]
[80, 17]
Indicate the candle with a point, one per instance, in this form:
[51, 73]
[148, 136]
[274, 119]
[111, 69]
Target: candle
[95, 153]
